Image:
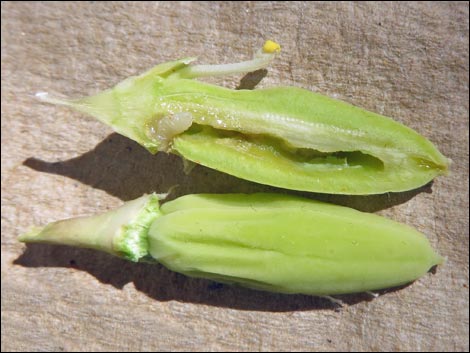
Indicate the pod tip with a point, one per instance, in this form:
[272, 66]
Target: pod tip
[441, 260]
[30, 235]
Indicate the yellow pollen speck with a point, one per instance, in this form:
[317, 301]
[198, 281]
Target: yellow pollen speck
[271, 47]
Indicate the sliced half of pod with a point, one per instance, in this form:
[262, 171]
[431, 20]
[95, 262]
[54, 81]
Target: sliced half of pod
[286, 137]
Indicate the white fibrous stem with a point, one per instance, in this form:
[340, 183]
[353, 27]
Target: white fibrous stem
[170, 126]
[259, 61]
[372, 294]
[333, 300]
[45, 97]
[164, 195]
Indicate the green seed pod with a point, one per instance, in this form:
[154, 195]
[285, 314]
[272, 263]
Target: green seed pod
[285, 137]
[269, 242]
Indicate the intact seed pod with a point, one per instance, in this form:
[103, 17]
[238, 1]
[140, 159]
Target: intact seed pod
[286, 136]
[270, 242]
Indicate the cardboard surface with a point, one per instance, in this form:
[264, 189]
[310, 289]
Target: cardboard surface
[405, 60]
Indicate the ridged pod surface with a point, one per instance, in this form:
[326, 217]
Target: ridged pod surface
[270, 242]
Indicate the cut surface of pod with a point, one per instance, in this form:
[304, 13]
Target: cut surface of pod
[270, 242]
[286, 136]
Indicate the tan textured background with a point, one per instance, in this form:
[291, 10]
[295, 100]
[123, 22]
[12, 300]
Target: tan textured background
[406, 60]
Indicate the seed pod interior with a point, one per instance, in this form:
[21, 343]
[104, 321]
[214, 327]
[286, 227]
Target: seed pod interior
[286, 136]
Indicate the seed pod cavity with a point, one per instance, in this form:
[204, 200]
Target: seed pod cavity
[286, 136]
[169, 126]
